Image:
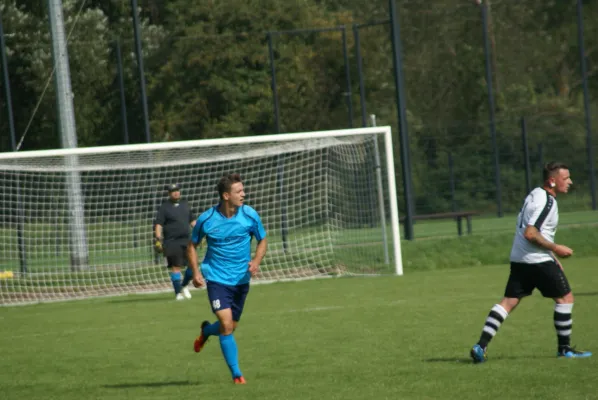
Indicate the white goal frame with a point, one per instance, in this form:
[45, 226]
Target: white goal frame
[10, 162]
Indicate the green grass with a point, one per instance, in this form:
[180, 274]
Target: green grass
[347, 338]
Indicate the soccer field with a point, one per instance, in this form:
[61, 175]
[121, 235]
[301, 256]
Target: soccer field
[341, 338]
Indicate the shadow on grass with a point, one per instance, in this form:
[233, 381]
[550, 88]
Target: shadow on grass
[461, 360]
[467, 360]
[586, 294]
[149, 384]
[137, 299]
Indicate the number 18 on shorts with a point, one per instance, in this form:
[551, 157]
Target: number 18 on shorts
[225, 296]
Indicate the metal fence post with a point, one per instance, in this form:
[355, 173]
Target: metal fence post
[349, 93]
[13, 141]
[528, 170]
[121, 85]
[402, 115]
[273, 83]
[364, 122]
[586, 102]
[484, 8]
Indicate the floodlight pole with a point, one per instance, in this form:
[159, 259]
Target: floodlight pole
[66, 111]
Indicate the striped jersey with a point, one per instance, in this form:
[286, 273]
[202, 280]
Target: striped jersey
[540, 210]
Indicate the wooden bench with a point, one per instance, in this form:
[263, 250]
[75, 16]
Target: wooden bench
[457, 216]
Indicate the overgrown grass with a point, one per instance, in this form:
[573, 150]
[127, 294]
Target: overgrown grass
[491, 224]
[486, 249]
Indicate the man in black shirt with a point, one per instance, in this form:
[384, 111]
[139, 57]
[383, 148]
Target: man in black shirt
[172, 234]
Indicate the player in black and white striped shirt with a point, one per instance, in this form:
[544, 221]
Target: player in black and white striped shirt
[534, 265]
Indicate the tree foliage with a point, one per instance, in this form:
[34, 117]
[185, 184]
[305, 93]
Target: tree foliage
[208, 74]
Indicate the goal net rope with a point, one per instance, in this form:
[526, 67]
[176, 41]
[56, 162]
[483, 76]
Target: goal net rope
[78, 223]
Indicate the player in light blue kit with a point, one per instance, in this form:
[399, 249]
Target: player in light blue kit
[227, 268]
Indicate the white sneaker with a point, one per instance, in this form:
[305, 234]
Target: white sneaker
[186, 292]
[180, 296]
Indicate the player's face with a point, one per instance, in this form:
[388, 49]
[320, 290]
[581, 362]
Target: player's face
[562, 181]
[236, 196]
[175, 196]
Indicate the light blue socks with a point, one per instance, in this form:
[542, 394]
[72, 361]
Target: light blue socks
[176, 277]
[228, 345]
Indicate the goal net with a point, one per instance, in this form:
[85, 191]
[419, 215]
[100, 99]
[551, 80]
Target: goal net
[77, 223]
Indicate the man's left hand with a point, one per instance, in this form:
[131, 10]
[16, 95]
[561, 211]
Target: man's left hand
[158, 246]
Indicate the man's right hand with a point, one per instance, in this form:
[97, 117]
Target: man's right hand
[198, 281]
[158, 246]
[562, 251]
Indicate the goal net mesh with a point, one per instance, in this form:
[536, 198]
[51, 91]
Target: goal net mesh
[80, 224]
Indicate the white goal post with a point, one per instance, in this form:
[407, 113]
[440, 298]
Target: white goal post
[77, 223]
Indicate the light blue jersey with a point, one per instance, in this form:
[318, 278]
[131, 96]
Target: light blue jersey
[229, 243]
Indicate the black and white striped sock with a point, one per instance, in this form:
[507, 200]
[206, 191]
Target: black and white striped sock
[494, 320]
[563, 323]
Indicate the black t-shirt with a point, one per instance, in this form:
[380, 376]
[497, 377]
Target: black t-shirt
[175, 219]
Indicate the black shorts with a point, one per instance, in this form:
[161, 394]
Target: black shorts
[176, 254]
[547, 277]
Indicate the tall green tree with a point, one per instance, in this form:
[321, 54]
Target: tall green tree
[208, 75]
[214, 78]
[92, 66]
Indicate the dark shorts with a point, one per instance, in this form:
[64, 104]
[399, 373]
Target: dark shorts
[176, 254]
[547, 277]
[225, 296]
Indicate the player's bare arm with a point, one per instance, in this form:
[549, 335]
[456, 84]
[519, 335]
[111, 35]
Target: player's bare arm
[260, 252]
[158, 244]
[198, 280]
[533, 235]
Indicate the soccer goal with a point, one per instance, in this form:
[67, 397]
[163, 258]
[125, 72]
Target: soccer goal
[77, 223]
